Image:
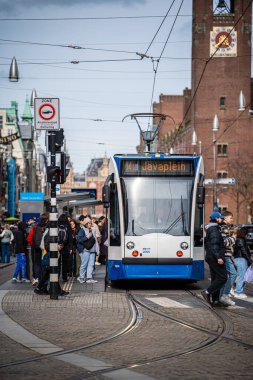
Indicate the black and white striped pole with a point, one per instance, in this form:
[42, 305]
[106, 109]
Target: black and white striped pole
[53, 175]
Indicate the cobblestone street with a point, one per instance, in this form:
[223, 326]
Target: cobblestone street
[160, 333]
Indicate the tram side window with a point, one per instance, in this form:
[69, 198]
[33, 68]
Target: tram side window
[198, 227]
[114, 217]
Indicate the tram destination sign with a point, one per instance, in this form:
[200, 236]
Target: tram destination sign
[164, 167]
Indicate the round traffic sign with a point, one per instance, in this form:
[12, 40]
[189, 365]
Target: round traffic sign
[47, 111]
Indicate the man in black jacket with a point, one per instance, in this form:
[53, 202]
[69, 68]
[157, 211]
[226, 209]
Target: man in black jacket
[215, 257]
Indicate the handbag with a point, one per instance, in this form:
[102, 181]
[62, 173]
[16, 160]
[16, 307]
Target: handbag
[248, 277]
[88, 244]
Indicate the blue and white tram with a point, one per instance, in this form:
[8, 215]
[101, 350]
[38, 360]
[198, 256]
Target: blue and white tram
[156, 215]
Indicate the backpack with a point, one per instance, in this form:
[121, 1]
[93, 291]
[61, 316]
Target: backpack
[62, 235]
[37, 236]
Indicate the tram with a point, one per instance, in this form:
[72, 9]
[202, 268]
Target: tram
[155, 207]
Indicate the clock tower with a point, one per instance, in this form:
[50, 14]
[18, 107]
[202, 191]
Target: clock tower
[221, 70]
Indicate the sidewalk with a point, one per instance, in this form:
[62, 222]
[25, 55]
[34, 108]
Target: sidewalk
[12, 261]
[32, 324]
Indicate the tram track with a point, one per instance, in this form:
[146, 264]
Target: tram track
[225, 333]
[137, 306]
[133, 324]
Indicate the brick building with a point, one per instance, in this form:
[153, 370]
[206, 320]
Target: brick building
[221, 71]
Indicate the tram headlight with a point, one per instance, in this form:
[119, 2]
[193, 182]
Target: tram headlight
[184, 245]
[130, 245]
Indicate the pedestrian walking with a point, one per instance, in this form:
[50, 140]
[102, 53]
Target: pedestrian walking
[229, 238]
[34, 240]
[87, 247]
[6, 241]
[242, 260]
[20, 246]
[65, 241]
[215, 257]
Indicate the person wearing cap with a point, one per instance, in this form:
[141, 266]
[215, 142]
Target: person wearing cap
[215, 257]
[87, 247]
[229, 239]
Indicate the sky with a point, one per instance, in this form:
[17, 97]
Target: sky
[103, 80]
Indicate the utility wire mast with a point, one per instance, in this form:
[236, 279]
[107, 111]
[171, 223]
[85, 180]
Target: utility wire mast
[150, 134]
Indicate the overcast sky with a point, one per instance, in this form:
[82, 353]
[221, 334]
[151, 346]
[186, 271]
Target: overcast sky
[110, 80]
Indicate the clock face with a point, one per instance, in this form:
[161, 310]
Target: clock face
[223, 42]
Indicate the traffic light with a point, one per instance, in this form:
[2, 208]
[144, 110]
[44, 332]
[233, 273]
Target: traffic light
[54, 174]
[63, 168]
[56, 138]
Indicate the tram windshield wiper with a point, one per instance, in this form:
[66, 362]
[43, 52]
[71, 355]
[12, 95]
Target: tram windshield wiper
[174, 223]
[133, 228]
[183, 217]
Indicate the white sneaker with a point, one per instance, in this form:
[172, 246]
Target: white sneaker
[81, 280]
[14, 279]
[97, 263]
[240, 296]
[25, 280]
[91, 281]
[232, 293]
[35, 281]
[227, 301]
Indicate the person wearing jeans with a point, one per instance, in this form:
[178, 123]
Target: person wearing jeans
[20, 267]
[6, 240]
[229, 243]
[20, 246]
[242, 261]
[87, 253]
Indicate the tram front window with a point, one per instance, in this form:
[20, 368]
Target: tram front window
[157, 205]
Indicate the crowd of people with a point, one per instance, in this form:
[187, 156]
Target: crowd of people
[228, 257]
[81, 246]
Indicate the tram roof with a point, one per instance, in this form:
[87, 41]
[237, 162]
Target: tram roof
[156, 155]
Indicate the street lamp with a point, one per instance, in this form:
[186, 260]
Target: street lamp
[13, 73]
[215, 130]
[33, 96]
[242, 103]
[195, 141]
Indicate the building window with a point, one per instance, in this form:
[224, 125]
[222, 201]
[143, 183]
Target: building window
[222, 150]
[222, 174]
[1, 122]
[223, 208]
[222, 102]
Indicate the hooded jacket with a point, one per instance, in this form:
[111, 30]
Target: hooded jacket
[214, 244]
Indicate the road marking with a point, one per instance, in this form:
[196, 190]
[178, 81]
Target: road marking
[167, 302]
[17, 333]
[126, 374]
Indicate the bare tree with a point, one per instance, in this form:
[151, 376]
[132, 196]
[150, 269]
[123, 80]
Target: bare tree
[243, 189]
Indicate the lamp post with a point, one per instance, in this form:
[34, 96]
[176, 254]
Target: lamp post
[26, 132]
[195, 141]
[215, 130]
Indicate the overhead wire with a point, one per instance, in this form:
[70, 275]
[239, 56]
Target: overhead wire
[88, 18]
[158, 61]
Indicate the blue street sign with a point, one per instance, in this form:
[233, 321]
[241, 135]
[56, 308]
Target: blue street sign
[32, 196]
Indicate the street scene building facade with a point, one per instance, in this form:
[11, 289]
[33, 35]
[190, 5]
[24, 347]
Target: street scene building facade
[208, 118]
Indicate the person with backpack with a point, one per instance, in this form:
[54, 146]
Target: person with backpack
[65, 242]
[34, 240]
[42, 287]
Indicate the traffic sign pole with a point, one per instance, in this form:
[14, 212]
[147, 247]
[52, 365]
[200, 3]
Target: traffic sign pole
[53, 229]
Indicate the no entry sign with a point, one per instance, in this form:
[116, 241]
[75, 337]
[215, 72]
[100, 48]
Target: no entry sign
[46, 113]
